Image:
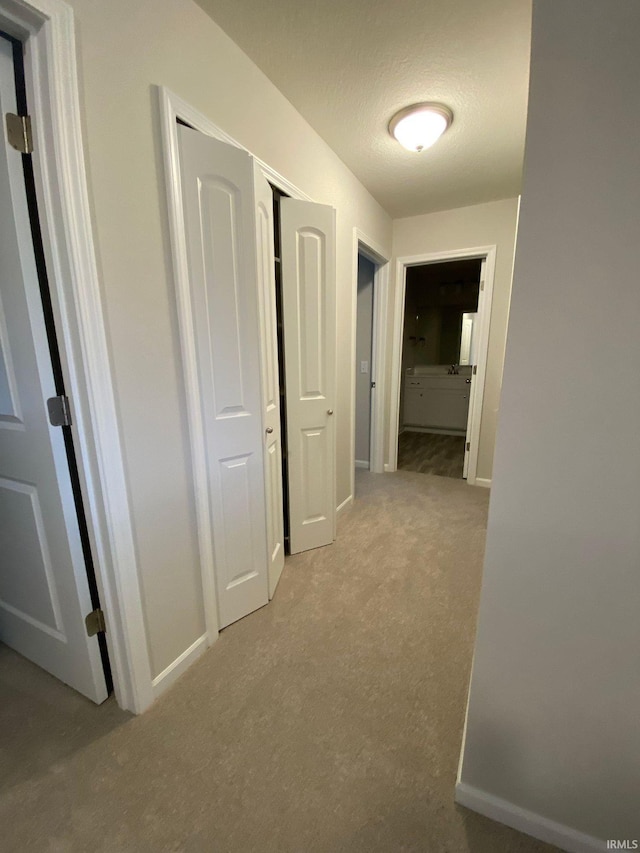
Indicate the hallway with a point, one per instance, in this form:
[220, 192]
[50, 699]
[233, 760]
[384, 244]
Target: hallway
[330, 720]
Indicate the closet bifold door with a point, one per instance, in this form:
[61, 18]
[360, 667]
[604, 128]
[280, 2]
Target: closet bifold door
[309, 309]
[218, 191]
[270, 378]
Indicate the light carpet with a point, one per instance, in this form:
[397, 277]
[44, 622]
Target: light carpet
[330, 720]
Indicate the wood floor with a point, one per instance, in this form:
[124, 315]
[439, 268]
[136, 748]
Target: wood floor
[442, 455]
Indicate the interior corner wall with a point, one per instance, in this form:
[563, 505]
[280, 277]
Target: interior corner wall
[126, 48]
[552, 725]
[493, 223]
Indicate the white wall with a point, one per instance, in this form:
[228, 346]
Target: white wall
[126, 47]
[555, 695]
[364, 334]
[480, 225]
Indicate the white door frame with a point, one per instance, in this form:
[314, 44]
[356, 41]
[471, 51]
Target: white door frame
[484, 319]
[47, 29]
[172, 108]
[364, 245]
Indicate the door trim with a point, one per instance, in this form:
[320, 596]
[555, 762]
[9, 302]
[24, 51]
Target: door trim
[172, 107]
[47, 29]
[485, 298]
[364, 245]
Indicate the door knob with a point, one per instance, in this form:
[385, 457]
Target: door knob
[269, 430]
[329, 411]
[468, 381]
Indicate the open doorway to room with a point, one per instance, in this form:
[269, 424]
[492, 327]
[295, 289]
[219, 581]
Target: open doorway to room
[365, 383]
[278, 195]
[443, 305]
[438, 354]
[370, 288]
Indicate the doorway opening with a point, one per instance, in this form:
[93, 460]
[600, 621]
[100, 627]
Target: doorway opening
[365, 382]
[277, 252]
[438, 355]
[369, 335]
[441, 338]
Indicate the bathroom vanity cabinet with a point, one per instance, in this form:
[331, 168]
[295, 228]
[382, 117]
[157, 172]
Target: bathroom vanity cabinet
[438, 402]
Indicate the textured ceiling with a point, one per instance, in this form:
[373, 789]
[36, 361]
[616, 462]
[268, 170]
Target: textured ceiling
[349, 65]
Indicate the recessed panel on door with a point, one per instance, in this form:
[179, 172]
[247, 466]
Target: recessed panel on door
[266, 286]
[316, 474]
[219, 217]
[27, 580]
[10, 416]
[274, 502]
[311, 282]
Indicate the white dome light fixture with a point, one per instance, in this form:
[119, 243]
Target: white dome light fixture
[419, 126]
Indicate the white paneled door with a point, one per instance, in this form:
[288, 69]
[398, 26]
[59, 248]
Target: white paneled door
[229, 224]
[44, 592]
[473, 384]
[224, 221]
[270, 377]
[309, 309]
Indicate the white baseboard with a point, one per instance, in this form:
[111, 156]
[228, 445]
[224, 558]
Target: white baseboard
[434, 430]
[528, 822]
[180, 665]
[344, 505]
[482, 481]
[362, 463]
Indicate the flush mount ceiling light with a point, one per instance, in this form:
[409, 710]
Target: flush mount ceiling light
[419, 126]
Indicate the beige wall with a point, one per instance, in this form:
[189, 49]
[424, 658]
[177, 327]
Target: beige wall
[553, 708]
[466, 227]
[125, 48]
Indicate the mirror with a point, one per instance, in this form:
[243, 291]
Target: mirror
[441, 306]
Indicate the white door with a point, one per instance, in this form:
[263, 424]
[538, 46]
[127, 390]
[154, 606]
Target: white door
[220, 218]
[468, 320]
[270, 378]
[309, 309]
[473, 360]
[44, 593]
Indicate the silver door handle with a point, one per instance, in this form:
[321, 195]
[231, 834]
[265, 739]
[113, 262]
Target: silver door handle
[468, 381]
[329, 411]
[269, 430]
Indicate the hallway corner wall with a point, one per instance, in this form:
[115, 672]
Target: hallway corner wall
[552, 741]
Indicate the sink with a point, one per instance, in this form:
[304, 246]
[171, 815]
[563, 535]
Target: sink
[425, 370]
[437, 380]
